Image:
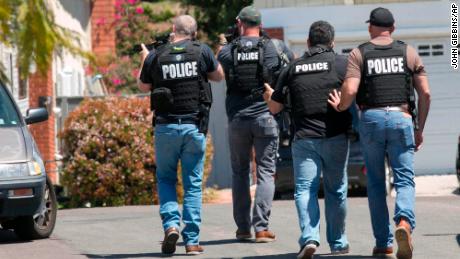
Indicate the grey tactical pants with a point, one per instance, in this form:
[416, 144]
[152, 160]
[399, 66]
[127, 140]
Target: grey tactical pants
[244, 134]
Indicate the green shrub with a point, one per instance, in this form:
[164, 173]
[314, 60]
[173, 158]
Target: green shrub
[109, 154]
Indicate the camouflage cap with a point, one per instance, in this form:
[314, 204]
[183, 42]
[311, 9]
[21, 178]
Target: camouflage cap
[250, 15]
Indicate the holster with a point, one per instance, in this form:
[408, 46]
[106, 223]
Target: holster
[412, 102]
[205, 107]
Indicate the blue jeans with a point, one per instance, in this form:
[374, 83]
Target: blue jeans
[310, 157]
[174, 142]
[388, 132]
[244, 134]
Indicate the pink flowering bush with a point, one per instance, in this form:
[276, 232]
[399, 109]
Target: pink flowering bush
[135, 22]
[109, 158]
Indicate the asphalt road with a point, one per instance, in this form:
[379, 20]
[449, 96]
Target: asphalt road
[135, 232]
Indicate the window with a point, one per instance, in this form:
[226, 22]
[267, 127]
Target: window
[434, 50]
[23, 86]
[8, 115]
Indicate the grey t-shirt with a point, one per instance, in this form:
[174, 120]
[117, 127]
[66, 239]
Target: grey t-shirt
[237, 106]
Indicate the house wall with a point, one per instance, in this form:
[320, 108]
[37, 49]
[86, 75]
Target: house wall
[69, 70]
[300, 3]
[427, 25]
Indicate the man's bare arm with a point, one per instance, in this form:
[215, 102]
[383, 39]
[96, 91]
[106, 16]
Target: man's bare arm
[217, 75]
[273, 106]
[342, 100]
[424, 99]
[143, 86]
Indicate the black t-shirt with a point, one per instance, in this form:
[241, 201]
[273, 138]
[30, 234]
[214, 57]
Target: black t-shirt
[322, 125]
[241, 107]
[208, 63]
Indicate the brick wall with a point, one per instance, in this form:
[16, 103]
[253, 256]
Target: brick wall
[276, 33]
[102, 31]
[43, 132]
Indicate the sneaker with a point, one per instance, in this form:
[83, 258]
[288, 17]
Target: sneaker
[265, 236]
[403, 239]
[169, 242]
[243, 235]
[193, 249]
[308, 250]
[386, 252]
[341, 251]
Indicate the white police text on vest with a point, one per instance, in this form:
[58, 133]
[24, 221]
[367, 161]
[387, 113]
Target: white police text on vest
[248, 56]
[391, 65]
[180, 70]
[312, 67]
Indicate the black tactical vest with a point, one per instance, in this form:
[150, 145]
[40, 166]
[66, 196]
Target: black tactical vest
[177, 68]
[311, 79]
[385, 78]
[246, 73]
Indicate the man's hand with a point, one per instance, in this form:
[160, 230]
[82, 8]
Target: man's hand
[222, 39]
[418, 140]
[334, 99]
[144, 52]
[268, 92]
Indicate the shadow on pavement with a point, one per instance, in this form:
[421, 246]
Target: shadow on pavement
[289, 255]
[8, 237]
[344, 256]
[123, 256]
[456, 191]
[218, 242]
[294, 255]
[458, 239]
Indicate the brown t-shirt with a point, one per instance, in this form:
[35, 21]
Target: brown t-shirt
[355, 59]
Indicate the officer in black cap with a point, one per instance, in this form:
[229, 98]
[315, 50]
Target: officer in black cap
[382, 74]
[177, 75]
[248, 61]
[320, 144]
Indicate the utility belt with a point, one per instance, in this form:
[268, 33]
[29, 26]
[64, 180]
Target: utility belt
[163, 120]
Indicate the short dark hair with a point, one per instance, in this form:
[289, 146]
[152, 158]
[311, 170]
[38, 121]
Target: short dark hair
[321, 32]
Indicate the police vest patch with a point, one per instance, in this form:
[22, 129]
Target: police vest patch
[391, 65]
[311, 67]
[180, 70]
[248, 56]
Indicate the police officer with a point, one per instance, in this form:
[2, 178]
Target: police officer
[320, 143]
[177, 75]
[247, 60]
[382, 74]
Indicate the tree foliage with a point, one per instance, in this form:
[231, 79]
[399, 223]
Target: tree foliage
[214, 16]
[135, 22]
[29, 26]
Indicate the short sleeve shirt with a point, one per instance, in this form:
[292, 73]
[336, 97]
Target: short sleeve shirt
[240, 107]
[317, 126]
[355, 59]
[208, 62]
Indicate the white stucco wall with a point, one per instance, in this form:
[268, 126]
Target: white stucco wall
[69, 70]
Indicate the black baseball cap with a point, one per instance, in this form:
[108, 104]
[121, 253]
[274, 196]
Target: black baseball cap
[381, 17]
